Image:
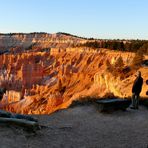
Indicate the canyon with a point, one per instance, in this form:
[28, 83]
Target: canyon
[43, 73]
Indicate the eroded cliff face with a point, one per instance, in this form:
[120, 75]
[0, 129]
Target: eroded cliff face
[43, 82]
[37, 40]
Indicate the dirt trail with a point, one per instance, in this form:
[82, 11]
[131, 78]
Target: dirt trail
[83, 127]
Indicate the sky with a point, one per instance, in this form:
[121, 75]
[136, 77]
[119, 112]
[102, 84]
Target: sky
[105, 19]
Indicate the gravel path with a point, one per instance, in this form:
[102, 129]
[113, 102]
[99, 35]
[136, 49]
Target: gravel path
[83, 127]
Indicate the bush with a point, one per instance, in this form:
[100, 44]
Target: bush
[138, 59]
[119, 63]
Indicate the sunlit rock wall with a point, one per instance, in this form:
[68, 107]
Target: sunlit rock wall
[49, 81]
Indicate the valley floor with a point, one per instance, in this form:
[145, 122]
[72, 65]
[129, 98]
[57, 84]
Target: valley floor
[82, 127]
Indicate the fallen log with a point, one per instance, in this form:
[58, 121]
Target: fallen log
[31, 125]
[25, 117]
[5, 114]
[107, 105]
[16, 116]
[144, 103]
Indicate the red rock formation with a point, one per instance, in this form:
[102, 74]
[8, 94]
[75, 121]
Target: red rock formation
[32, 77]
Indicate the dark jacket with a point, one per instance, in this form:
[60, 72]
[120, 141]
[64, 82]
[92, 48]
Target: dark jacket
[137, 86]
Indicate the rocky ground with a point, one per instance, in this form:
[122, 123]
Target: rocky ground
[82, 127]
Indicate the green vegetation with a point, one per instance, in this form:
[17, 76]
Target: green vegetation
[68, 34]
[120, 45]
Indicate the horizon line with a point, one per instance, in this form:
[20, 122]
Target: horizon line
[84, 37]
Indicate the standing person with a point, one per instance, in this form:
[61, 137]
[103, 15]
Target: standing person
[136, 89]
[3, 97]
[147, 90]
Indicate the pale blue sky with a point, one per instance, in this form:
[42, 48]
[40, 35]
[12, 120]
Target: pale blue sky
[89, 18]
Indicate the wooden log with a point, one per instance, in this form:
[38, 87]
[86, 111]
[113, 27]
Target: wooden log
[145, 103]
[107, 105]
[5, 114]
[17, 116]
[20, 122]
[25, 117]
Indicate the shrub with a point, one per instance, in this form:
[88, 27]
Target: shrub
[119, 63]
[138, 59]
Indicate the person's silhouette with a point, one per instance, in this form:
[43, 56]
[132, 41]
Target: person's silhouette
[147, 90]
[136, 89]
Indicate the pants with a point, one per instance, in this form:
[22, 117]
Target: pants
[135, 100]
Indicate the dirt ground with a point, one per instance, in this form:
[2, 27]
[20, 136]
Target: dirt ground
[82, 127]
